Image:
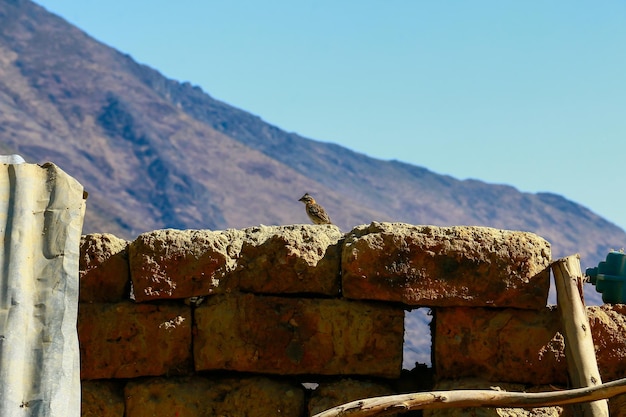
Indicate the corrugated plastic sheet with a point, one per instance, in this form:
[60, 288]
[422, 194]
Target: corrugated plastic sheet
[41, 217]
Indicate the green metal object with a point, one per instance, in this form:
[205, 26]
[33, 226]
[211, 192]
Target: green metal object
[609, 277]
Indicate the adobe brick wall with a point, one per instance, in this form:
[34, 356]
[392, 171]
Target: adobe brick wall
[226, 321]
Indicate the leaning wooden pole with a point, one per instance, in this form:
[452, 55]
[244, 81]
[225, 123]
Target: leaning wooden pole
[580, 352]
[397, 404]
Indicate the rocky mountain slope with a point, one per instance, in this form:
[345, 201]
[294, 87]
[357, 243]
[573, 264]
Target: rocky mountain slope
[154, 153]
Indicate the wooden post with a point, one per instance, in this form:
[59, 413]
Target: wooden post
[579, 348]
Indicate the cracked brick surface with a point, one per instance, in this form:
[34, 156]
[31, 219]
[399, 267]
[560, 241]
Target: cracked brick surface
[510, 345]
[522, 346]
[298, 336]
[103, 269]
[168, 264]
[126, 340]
[446, 266]
[198, 396]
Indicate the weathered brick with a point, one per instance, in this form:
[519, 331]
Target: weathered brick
[103, 268]
[290, 259]
[446, 266]
[522, 346]
[298, 336]
[509, 345]
[197, 396]
[102, 399]
[183, 263]
[608, 327]
[127, 340]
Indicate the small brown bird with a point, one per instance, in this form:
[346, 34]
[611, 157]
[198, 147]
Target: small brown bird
[316, 213]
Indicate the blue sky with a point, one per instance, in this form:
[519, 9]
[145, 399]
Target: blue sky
[526, 93]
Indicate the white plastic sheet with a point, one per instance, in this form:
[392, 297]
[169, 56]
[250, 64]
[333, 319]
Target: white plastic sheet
[41, 217]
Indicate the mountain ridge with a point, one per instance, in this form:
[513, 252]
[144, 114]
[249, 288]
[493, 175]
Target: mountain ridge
[156, 153]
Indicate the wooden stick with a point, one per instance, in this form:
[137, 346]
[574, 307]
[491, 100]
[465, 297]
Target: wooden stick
[579, 348]
[397, 404]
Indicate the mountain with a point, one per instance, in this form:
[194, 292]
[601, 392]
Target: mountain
[155, 153]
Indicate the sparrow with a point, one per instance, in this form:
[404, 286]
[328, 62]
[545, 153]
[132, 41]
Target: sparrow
[316, 213]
